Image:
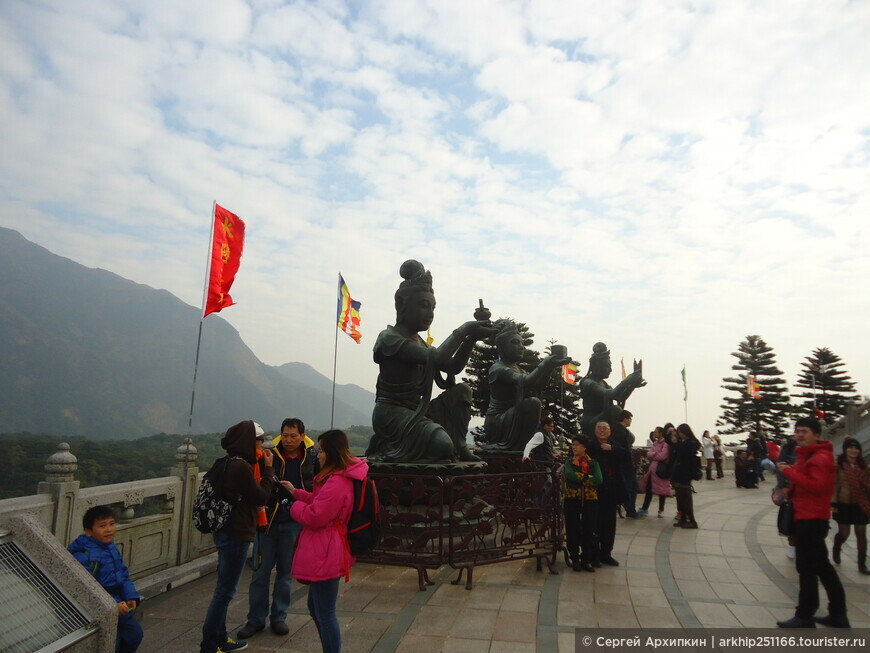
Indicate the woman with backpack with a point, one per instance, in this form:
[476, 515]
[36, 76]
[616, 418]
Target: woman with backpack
[323, 555]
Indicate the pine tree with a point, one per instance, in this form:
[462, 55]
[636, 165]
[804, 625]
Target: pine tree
[483, 356]
[771, 410]
[833, 386]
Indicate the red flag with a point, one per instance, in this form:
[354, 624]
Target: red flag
[226, 254]
[820, 414]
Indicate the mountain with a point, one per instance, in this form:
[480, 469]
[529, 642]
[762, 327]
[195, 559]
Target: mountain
[86, 352]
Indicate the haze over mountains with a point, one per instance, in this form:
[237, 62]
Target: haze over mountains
[86, 352]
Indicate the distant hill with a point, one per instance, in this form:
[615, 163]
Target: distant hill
[86, 352]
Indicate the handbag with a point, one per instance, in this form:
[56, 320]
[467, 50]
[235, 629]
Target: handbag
[785, 519]
[663, 469]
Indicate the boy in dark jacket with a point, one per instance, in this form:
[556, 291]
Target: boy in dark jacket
[96, 550]
[233, 540]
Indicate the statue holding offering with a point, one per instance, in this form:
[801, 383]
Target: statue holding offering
[405, 413]
[598, 396]
[514, 413]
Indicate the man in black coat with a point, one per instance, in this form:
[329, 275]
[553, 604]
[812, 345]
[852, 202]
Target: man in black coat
[612, 458]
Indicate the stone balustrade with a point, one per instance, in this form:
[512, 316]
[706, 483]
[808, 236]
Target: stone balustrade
[155, 532]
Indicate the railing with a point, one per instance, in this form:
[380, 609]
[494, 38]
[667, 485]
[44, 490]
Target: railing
[468, 521]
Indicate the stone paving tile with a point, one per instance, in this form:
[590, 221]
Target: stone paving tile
[457, 595]
[644, 579]
[688, 572]
[720, 575]
[772, 594]
[391, 601]
[610, 576]
[732, 591]
[696, 589]
[616, 616]
[434, 620]
[754, 616]
[490, 598]
[360, 634]
[512, 647]
[416, 643]
[459, 645]
[647, 596]
[713, 614]
[612, 594]
[713, 562]
[576, 615]
[565, 643]
[521, 600]
[656, 616]
[633, 563]
[578, 592]
[474, 624]
[515, 627]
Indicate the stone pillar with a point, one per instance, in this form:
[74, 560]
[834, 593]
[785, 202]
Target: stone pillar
[185, 468]
[60, 483]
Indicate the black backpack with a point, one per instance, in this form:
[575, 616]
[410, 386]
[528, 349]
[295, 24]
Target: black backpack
[210, 509]
[363, 527]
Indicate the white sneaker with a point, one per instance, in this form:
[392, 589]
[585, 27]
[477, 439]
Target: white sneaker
[790, 552]
[661, 514]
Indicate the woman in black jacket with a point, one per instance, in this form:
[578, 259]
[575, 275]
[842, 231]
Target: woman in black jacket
[686, 465]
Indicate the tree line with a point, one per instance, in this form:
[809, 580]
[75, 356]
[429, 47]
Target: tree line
[759, 398]
[103, 462]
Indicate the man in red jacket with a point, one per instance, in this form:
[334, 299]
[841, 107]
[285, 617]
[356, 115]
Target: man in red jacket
[812, 479]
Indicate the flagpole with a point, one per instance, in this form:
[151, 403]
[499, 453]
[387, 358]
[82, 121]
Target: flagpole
[335, 360]
[201, 317]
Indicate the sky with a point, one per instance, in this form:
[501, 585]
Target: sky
[665, 177]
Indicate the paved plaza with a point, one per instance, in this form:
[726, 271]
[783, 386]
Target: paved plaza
[731, 572]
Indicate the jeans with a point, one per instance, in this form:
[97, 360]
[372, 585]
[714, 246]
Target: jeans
[276, 551]
[813, 566]
[232, 554]
[129, 634]
[322, 595]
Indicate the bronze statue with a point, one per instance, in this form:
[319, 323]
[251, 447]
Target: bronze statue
[406, 418]
[598, 396]
[514, 413]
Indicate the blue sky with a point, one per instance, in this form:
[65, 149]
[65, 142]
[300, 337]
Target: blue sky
[665, 177]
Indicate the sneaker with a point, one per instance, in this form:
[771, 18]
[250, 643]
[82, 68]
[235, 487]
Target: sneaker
[790, 552]
[643, 512]
[661, 514]
[232, 645]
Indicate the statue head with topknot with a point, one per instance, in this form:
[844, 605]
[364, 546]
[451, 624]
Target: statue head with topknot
[415, 299]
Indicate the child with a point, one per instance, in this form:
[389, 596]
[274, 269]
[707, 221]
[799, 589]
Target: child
[582, 477]
[96, 550]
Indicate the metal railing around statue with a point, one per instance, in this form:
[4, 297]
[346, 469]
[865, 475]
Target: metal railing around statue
[512, 513]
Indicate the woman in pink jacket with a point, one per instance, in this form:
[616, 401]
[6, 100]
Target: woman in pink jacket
[322, 556]
[651, 483]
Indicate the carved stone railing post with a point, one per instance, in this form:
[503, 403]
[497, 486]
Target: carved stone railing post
[60, 484]
[185, 468]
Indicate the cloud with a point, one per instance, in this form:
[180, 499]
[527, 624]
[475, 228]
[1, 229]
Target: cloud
[666, 178]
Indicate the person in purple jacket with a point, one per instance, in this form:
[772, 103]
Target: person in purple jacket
[322, 555]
